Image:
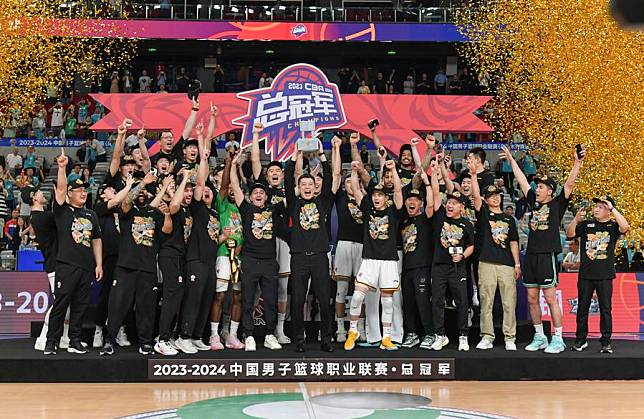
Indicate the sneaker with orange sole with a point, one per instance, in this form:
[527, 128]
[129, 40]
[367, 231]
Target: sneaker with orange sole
[387, 344]
[350, 343]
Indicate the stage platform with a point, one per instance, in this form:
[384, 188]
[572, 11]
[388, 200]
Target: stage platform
[19, 362]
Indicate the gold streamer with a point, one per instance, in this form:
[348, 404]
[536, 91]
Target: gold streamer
[565, 73]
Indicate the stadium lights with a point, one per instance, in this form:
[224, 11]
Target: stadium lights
[199, 6]
[216, 7]
[234, 9]
[152, 49]
[268, 12]
[270, 51]
[391, 52]
[251, 11]
[281, 7]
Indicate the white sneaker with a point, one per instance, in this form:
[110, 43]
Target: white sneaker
[510, 345]
[121, 338]
[250, 344]
[198, 343]
[485, 343]
[463, 344]
[341, 336]
[185, 346]
[64, 343]
[40, 344]
[165, 348]
[270, 342]
[440, 342]
[283, 339]
[98, 338]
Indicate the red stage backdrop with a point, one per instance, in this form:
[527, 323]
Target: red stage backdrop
[399, 115]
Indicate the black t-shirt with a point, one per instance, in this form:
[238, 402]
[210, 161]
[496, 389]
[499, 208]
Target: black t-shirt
[406, 175]
[485, 178]
[470, 212]
[75, 230]
[44, 225]
[108, 219]
[544, 223]
[139, 243]
[350, 218]
[380, 231]
[280, 220]
[204, 238]
[117, 182]
[597, 248]
[417, 241]
[309, 232]
[173, 156]
[495, 232]
[259, 234]
[175, 243]
[450, 232]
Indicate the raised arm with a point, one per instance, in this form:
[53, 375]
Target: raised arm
[354, 139]
[430, 141]
[175, 204]
[449, 184]
[167, 222]
[225, 178]
[202, 171]
[118, 146]
[506, 153]
[192, 119]
[414, 152]
[435, 187]
[476, 190]
[147, 164]
[429, 195]
[571, 230]
[158, 200]
[289, 178]
[254, 151]
[126, 205]
[570, 182]
[211, 125]
[327, 176]
[376, 139]
[122, 194]
[336, 163]
[398, 195]
[234, 181]
[621, 221]
[61, 181]
[355, 184]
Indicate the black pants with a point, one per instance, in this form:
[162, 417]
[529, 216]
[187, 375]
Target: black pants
[450, 275]
[472, 270]
[132, 287]
[585, 288]
[172, 270]
[71, 290]
[199, 290]
[417, 294]
[316, 267]
[262, 272]
[109, 264]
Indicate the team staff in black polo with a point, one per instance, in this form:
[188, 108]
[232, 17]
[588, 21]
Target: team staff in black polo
[79, 260]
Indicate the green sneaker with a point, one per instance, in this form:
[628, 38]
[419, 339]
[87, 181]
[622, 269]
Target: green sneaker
[538, 343]
[411, 340]
[556, 346]
[427, 342]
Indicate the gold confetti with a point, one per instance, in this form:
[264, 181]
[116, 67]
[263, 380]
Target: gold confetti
[33, 59]
[564, 73]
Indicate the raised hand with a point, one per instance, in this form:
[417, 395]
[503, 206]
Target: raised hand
[195, 104]
[199, 129]
[149, 178]
[205, 154]
[213, 109]
[125, 125]
[355, 166]
[415, 141]
[506, 153]
[471, 166]
[235, 159]
[430, 140]
[258, 127]
[390, 164]
[354, 138]
[129, 181]
[583, 153]
[163, 207]
[141, 133]
[336, 141]
[581, 214]
[167, 181]
[62, 159]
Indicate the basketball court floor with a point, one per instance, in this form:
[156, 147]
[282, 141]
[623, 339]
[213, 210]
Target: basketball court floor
[417, 400]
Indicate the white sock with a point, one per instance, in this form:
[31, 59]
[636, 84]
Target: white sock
[99, 329]
[340, 323]
[214, 328]
[386, 331]
[281, 317]
[233, 328]
[353, 325]
[558, 331]
[538, 329]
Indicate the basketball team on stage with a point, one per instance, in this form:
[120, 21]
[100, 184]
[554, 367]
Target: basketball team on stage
[410, 242]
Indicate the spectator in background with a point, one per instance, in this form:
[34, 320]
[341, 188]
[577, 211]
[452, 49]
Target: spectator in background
[345, 150]
[343, 78]
[128, 82]
[529, 166]
[9, 184]
[424, 87]
[9, 227]
[71, 123]
[4, 208]
[57, 120]
[14, 162]
[380, 85]
[391, 81]
[247, 166]
[83, 109]
[218, 76]
[232, 144]
[265, 80]
[364, 154]
[75, 174]
[455, 85]
[363, 89]
[408, 85]
[145, 82]
[162, 89]
[182, 81]
[39, 125]
[572, 260]
[101, 153]
[162, 80]
[354, 82]
[31, 177]
[87, 178]
[114, 82]
[440, 82]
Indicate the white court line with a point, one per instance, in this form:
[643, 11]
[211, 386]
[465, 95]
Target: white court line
[307, 401]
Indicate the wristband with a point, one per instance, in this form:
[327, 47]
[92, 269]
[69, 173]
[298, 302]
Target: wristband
[518, 265]
[195, 109]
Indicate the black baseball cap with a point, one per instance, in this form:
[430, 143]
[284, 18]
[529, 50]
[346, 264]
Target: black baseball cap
[457, 196]
[191, 141]
[379, 189]
[274, 163]
[127, 159]
[27, 193]
[547, 180]
[605, 199]
[76, 184]
[219, 168]
[259, 185]
[491, 190]
[414, 193]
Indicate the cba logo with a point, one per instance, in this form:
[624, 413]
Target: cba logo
[298, 30]
[300, 92]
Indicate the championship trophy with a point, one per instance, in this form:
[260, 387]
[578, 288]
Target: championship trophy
[308, 141]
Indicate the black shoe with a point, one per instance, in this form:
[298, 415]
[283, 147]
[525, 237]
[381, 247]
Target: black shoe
[580, 345]
[146, 350]
[606, 348]
[327, 347]
[77, 347]
[107, 349]
[299, 347]
[50, 348]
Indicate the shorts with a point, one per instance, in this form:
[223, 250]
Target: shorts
[283, 257]
[222, 271]
[540, 270]
[379, 274]
[348, 257]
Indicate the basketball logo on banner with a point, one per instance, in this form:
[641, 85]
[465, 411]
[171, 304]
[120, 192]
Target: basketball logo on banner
[300, 92]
